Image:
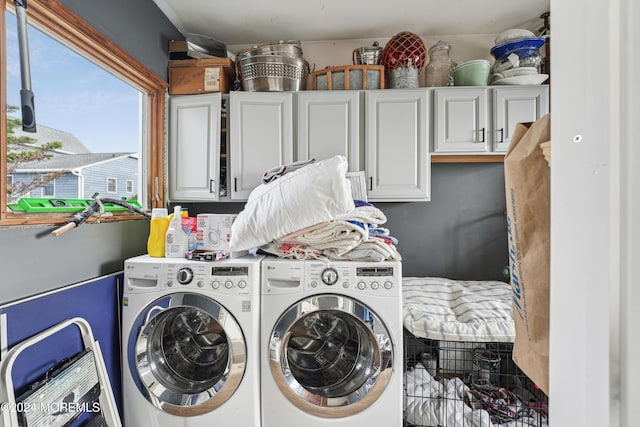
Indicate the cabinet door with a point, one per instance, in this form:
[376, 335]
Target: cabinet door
[513, 105]
[460, 120]
[329, 124]
[260, 137]
[398, 167]
[194, 147]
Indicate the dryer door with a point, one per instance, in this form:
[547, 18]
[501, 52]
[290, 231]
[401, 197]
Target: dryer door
[331, 355]
[187, 354]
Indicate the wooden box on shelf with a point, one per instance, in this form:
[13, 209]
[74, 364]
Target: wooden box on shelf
[194, 76]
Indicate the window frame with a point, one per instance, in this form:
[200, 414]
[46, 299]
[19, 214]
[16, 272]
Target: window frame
[51, 17]
[111, 179]
[128, 186]
[50, 184]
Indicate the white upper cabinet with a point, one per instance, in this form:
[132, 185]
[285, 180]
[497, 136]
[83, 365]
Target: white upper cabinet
[397, 166]
[261, 137]
[481, 120]
[194, 147]
[460, 120]
[513, 105]
[329, 123]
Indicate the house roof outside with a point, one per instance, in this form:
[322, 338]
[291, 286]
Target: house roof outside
[45, 134]
[71, 161]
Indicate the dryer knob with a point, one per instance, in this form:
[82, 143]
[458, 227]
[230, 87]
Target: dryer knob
[184, 275]
[242, 284]
[200, 283]
[362, 286]
[375, 285]
[228, 284]
[388, 285]
[215, 284]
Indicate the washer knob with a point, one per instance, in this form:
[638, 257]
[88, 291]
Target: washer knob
[215, 284]
[329, 276]
[184, 275]
[362, 286]
[242, 284]
[388, 285]
[200, 283]
[228, 284]
[375, 285]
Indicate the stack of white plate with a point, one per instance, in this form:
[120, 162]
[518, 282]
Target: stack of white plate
[517, 59]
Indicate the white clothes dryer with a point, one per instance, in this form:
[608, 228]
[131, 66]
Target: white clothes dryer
[190, 352]
[331, 343]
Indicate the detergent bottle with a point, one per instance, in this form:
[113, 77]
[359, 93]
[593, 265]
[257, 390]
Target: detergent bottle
[176, 240]
[157, 232]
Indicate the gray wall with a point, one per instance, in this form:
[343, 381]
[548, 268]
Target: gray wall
[460, 234]
[138, 27]
[33, 261]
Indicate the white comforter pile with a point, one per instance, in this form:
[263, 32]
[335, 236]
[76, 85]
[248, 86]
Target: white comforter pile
[309, 213]
[441, 403]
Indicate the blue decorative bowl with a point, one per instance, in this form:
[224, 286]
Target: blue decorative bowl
[524, 47]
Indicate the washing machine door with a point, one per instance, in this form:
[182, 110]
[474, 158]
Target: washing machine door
[187, 354]
[331, 355]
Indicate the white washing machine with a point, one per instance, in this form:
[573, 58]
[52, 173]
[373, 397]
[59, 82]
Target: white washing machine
[190, 352]
[331, 343]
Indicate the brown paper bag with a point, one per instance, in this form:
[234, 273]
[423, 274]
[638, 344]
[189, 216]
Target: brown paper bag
[527, 185]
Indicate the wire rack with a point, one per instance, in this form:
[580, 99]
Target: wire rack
[466, 384]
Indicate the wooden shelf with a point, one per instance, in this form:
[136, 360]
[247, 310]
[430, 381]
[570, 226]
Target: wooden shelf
[468, 158]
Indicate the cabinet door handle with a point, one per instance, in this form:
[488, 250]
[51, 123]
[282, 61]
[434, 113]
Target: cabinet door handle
[235, 185]
[212, 185]
[482, 133]
[501, 139]
[371, 183]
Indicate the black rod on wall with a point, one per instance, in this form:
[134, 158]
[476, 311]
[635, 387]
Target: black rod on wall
[26, 94]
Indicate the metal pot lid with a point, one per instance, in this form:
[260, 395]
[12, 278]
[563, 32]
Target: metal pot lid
[374, 48]
[200, 46]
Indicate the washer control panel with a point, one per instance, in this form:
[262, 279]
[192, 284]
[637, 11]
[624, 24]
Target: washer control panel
[370, 277]
[228, 279]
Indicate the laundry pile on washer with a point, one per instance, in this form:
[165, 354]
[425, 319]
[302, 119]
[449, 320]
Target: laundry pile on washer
[309, 213]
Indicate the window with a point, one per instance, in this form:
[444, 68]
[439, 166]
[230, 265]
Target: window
[58, 22]
[49, 186]
[112, 185]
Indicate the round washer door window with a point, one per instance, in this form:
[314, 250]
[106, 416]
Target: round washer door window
[190, 354]
[331, 355]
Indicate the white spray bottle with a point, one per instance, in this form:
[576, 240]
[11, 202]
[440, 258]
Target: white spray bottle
[176, 240]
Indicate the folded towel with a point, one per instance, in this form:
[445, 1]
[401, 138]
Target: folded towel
[278, 171]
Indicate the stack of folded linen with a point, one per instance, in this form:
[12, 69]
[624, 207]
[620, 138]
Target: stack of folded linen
[356, 235]
[306, 210]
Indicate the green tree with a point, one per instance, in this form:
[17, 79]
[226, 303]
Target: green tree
[23, 149]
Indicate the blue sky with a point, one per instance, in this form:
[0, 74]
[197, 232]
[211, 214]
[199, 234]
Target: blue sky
[72, 94]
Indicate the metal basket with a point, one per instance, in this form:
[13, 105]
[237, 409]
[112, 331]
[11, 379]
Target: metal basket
[264, 73]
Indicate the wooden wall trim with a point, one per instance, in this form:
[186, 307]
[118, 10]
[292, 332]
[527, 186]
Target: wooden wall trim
[68, 28]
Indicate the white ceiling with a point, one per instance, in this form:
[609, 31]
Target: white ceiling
[242, 22]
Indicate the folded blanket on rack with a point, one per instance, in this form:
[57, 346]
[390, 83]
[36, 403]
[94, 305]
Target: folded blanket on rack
[457, 310]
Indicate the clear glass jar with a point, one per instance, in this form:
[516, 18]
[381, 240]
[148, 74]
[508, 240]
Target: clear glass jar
[438, 70]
